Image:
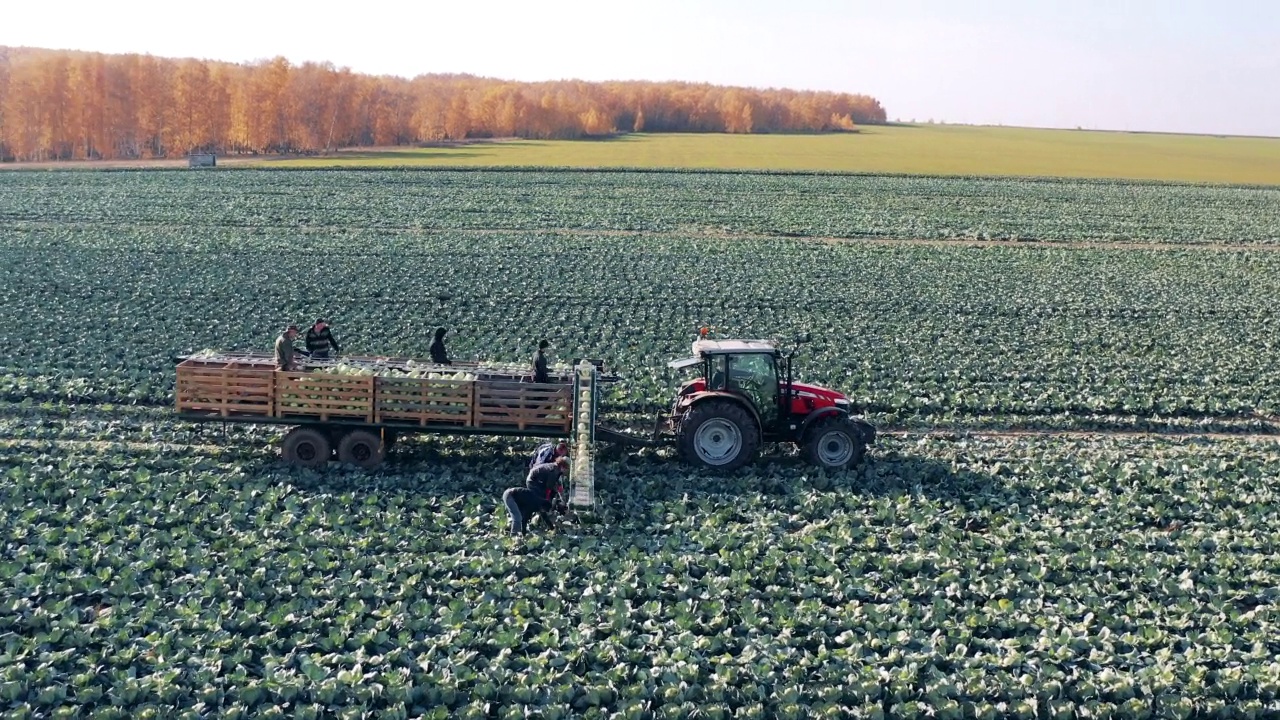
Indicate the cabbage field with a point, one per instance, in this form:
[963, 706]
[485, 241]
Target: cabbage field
[1072, 512]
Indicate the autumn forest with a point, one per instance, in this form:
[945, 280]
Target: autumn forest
[63, 105]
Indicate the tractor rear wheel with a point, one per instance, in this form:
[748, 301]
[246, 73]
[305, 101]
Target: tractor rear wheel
[719, 435]
[834, 444]
[362, 449]
[306, 447]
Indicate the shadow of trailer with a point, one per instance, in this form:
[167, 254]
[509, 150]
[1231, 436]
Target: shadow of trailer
[356, 418]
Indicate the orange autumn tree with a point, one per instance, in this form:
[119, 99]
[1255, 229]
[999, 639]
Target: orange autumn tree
[63, 105]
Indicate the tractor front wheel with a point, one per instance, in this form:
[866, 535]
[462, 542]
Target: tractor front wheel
[719, 435]
[362, 449]
[306, 447]
[834, 444]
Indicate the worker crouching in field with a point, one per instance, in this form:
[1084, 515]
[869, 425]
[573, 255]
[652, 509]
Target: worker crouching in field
[540, 496]
[320, 340]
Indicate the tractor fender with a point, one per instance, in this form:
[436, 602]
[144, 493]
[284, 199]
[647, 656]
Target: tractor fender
[688, 401]
[814, 417]
[865, 429]
[868, 430]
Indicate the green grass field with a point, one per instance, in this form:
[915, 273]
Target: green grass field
[921, 150]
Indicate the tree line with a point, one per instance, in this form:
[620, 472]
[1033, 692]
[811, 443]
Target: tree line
[65, 105]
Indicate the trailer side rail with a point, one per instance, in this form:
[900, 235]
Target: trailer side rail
[244, 390]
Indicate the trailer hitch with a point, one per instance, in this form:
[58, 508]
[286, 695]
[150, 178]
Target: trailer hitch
[617, 437]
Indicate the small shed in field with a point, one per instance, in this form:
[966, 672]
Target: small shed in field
[197, 160]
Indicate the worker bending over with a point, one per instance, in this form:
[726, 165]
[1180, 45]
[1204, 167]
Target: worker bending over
[548, 453]
[540, 496]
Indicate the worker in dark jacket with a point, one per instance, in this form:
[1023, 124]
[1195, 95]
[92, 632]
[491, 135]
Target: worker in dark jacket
[540, 496]
[438, 354]
[548, 452]
[545, 478]
[320, 339]
[286, 353]
[540, 363]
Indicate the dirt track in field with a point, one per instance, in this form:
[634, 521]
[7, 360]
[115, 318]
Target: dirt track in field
[969, 243]
[106, 445]
[714, 234]
[1045, 244]
[180, 449]
[936, 242]
[1085, 434]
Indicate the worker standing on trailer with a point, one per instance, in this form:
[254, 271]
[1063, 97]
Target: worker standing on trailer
[320, 339]
[286, 353]
[439, 355]
[540, 496]
[549, 453]
[540, 362]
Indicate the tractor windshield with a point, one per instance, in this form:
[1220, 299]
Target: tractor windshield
[756, 376]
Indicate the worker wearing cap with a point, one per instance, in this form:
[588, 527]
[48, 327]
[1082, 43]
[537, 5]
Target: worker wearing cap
[540, 496]
[548, 452]
[540, 363]
[320, 339]
[285, 351]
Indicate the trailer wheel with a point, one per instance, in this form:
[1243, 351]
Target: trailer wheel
[306, 447]
[834, 444]
[362, 449]
[719, 435]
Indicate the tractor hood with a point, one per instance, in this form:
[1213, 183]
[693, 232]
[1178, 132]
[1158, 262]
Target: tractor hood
[804, 391]
[817, 392]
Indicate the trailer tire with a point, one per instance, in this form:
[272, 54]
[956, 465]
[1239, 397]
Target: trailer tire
[362, 449]
[719, 435]
[306, 447]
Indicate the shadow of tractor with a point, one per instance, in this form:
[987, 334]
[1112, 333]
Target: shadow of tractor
[635, 488]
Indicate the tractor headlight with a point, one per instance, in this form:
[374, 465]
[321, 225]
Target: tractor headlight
[844, 406]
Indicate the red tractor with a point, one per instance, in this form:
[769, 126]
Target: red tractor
[746, 396]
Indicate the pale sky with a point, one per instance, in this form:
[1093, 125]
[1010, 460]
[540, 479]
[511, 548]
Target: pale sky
[1169, 65]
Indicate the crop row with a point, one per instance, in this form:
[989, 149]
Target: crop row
[775, 204]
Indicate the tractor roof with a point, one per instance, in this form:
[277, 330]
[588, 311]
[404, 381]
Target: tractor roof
[703, 348]
[725, 347]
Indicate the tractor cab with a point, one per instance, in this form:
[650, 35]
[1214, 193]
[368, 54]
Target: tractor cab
[748, 368]
[746, 395]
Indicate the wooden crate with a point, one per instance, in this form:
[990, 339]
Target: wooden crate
[523, 406]
[324, 396]
[224, 389]
[425, 402]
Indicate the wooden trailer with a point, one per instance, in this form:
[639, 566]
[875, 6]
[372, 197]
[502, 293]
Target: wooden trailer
[355, 418]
